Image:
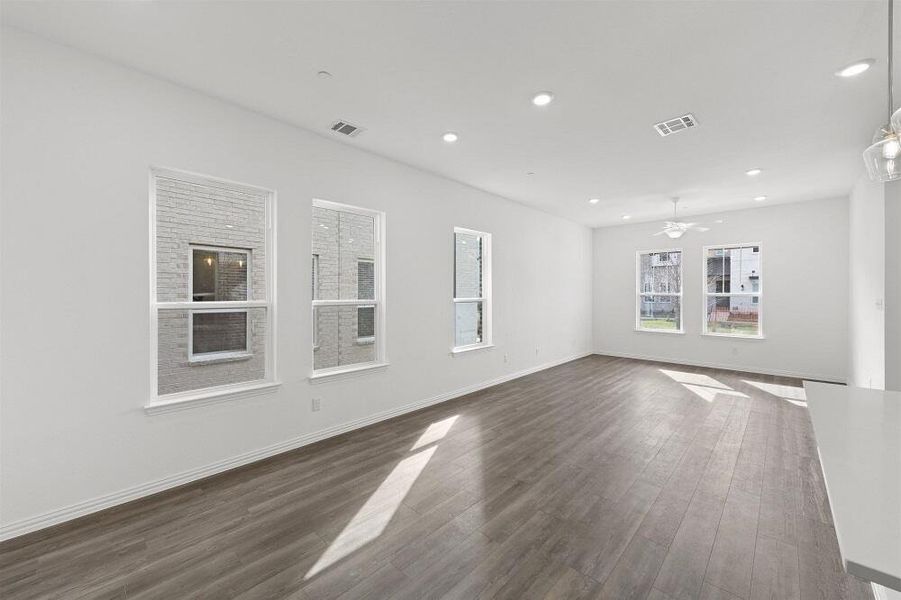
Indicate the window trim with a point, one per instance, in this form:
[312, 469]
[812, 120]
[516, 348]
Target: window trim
[379, 273]
[705, 294]
[199, 397]
[639, 293]
[314, 264]
[485, 298]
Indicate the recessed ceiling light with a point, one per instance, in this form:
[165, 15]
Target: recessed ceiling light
[752, 172]
[450, 137]
[594, 201]
[759, 198]
[324, 74]
[626, 217]
[855, 68]
[543, 98]
[530, 173]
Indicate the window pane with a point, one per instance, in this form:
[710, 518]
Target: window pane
[661, 272]
[719, 271]
[341, 240]
[737, 315]
[660, 312]
[468, 320]
[340, 329]
[467, 265]
[176, 373]
[219, 332]
[219, 275]
[365, 280]
[747, 273]
[190, 214]
[365, 322]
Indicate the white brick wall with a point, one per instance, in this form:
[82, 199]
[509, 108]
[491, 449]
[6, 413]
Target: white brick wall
[189, 214]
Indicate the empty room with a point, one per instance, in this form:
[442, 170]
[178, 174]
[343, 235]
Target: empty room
[333, 300]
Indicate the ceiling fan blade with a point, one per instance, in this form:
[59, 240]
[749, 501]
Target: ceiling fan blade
[660, 232]
[701, 228]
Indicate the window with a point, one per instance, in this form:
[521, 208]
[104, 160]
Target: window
[211, 310]
[315, 296]
[348, 305]
[659, 291]
[365, 289]
[733, 290]
[218, 275]
[472, 289]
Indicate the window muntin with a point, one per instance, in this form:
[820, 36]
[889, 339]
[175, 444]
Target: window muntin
[348, 309]
[659, 291]
[733, 290]
[211, 311]
[472, 288]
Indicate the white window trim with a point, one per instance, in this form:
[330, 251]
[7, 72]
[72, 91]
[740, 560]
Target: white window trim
[378, 302]
[157, 403]
[485, 299]
[639, 293]
[705, 294]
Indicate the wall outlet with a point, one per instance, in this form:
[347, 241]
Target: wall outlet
[505, 358]
[536, 350]
[317, 404]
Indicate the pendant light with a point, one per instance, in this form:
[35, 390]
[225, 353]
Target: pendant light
[883, 157]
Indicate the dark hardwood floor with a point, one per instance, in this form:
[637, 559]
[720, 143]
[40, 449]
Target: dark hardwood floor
[601, 478]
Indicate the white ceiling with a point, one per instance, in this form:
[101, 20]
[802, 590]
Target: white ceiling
[757, 75]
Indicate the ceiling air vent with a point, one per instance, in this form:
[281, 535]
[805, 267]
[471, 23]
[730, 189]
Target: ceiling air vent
[345, 128]
[673, 125]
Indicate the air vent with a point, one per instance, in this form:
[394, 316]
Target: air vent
[345, 128]
[671, 126]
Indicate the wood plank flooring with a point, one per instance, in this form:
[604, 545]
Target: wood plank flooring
[600, 478]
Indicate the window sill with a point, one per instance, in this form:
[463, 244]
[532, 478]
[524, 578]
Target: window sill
[465, 349]
[735, 336]
[341, 372]
[221, 358]
[192, 399]
[366, 341]
[669, 331]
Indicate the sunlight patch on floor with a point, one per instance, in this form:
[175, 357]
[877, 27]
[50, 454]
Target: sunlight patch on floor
[703, 386]
[790, 393]
[435, 432]
[371, 520]
[373, 517]
[694, 379]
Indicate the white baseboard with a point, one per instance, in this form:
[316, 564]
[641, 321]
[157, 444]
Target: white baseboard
[710, 365]
[55, 517]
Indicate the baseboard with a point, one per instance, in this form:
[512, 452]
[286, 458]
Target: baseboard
[94, 505]
[710, 365]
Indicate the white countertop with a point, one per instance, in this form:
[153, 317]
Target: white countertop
[858, 434]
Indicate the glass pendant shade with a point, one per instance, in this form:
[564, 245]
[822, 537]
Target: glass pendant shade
[896, 122]
[883, 157]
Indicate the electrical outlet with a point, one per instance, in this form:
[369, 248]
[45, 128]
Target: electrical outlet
[505, 357]
[536, 350]
[317, 404]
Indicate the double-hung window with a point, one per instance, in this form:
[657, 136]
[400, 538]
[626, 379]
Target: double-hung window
[348, 291]
[733, 290]
[659, 291]
[472, 289]
[211, 287]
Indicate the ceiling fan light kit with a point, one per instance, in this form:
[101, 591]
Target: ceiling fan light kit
[883, 157]
[675, 229]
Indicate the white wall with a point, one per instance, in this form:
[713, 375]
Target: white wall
[78, 137]
[893, 286]
[866, 290]
[805, 280]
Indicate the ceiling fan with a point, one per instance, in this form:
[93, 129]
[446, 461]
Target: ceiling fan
[676, 229]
